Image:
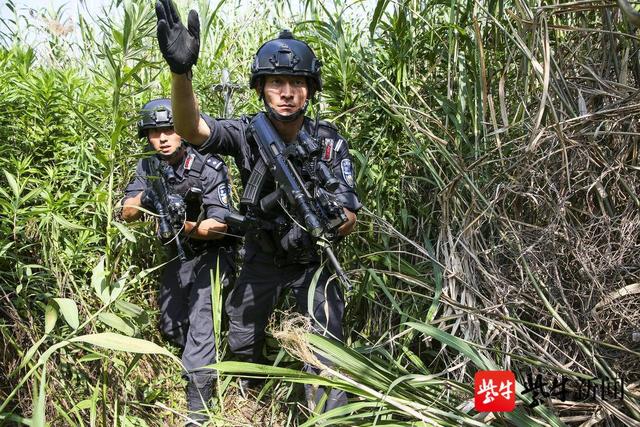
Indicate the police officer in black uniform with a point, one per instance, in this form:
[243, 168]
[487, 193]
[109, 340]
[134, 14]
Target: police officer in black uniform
[186, 315]
[286, 75]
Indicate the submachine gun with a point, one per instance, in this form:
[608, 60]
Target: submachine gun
[169, 206]
[315, 207]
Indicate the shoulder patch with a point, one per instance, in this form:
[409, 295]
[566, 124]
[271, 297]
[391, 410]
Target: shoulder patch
[214, 162]
[327, 152]
[223, 194]
[188, 161]
[347, 172]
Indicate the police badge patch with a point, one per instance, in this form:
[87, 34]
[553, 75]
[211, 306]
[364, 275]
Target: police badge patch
[223, 194]
[347, 171]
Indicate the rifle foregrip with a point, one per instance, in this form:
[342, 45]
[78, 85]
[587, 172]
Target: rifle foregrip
[235, 219]
[269, 201]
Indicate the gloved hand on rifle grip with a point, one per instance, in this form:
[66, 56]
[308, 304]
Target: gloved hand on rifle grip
[148, 200]
[295, 239]
[180, 46]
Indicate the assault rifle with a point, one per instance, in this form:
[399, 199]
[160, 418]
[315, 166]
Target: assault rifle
[169, 206]
[315, 208]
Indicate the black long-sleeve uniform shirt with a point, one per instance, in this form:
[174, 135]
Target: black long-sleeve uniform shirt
[231, 137]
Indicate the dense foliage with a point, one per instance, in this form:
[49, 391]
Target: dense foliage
[496, 148]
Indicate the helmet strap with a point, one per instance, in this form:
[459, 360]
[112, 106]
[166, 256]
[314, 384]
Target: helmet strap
[280, 117]
[174, 157]
[177, 155]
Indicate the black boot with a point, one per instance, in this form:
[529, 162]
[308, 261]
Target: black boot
[199, 392]
[316, 394]
[250, 387]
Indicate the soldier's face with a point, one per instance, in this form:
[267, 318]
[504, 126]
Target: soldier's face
[285, 94]
[165, 141]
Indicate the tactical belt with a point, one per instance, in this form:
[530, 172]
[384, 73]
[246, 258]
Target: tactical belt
[282, 258]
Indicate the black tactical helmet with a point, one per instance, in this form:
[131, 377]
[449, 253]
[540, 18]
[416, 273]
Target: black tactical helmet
[155, 114]
[286, 56]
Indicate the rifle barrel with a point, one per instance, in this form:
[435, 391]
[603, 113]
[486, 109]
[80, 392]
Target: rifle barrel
[339, 271]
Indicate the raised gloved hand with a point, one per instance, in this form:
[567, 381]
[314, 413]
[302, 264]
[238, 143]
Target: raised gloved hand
[179, 45]
[295, 239]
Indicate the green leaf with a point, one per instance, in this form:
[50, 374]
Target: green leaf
[29, 354]
[117, 36]
[125, 232]
[91, 357]
[15, 419]
[118, 287]
[365, 369]
[83, 404]
[69, 311]
[131, 421]
[312, 289]
[93, 404]
[129, 309]
[287, 374]
[216, 303]
[48, 352]
[459, 344]
[13, 183]
[38, 419]
[126, 31]
[337, 415]
[31, 194]
[377, 14]
[5, 248]
[116, 322]
[112, 341]
[99, 282]
[50, 318]
[67, 224]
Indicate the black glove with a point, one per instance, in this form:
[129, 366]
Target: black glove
[179, 46]
[294, 239]
[148, 199]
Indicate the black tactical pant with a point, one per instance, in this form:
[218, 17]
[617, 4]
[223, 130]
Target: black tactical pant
[255, 295]
[186, 316]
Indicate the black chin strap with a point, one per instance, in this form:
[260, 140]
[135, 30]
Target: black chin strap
[176, 156]
[282, 118]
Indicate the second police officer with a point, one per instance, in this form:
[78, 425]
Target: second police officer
[286, 75]
[201, 182]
